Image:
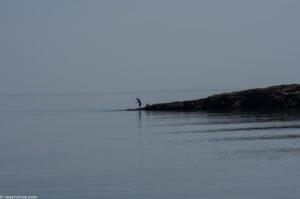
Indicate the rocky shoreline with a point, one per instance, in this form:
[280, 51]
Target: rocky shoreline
[283, 96]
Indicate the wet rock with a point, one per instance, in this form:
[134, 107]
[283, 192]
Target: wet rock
[284, 96]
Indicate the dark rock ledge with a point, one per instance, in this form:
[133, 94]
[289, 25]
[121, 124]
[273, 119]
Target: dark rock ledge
[283, 96]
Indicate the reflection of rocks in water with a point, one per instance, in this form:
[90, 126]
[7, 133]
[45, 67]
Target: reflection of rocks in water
[227, 121]
[284, 96]
[226, 134]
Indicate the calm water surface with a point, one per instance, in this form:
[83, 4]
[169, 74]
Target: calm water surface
[83, 146]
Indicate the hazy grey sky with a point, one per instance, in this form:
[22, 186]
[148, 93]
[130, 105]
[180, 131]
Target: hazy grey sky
[127, 45]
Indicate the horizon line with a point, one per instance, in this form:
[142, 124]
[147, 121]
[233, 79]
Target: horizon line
[110, 92]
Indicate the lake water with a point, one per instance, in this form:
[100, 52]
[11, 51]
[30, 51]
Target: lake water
[84, 146]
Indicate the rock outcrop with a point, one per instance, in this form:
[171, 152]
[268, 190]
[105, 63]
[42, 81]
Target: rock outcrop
[284, 96]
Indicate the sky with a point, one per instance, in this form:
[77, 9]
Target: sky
[142, 45]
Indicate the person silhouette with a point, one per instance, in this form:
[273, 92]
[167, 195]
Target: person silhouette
[139, 102]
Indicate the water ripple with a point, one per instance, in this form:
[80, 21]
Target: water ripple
[234, 129]
[263, 137]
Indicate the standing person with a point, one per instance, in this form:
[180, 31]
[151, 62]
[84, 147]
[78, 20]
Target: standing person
[139, 101]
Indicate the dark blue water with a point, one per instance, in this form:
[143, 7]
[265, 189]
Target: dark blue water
[84, 146]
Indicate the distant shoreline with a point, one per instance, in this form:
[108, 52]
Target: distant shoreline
[282, 96]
